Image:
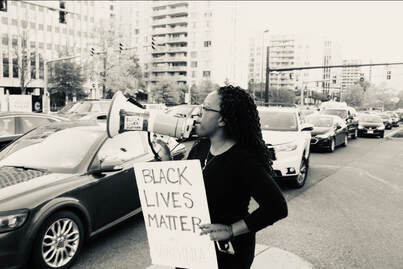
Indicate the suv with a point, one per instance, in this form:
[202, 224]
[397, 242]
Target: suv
[348, 114]
[282, 130]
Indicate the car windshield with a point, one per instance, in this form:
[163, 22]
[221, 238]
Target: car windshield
[370, 118]
[342, 113]
[180, 111]
[278, 121]
[320, 121]
[86, 107]
[56, 149]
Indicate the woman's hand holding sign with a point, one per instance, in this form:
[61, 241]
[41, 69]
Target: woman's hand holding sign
[218, 232]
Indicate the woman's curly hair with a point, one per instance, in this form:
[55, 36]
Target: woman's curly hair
[242, 123]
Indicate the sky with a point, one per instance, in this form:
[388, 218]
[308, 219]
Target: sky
[368, 30]
[363, 29]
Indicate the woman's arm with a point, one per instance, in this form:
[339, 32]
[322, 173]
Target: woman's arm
[265, 191]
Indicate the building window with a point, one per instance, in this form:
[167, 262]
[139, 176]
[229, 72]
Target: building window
[14, 22]
[193, 64]
[207, 44]
[57, 29]
[193, 54]
[206, 74]
[193, 74]
[40, 27]
[49, 46]
[136, 31]
[15, 68]
[4, 20]
[41, 45]
[49, 28]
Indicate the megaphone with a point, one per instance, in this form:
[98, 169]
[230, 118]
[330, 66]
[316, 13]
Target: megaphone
[124, 116]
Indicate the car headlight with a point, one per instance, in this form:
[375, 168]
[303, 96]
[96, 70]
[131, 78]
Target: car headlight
[381, 127]
[360, 126]
[12, 220]
[286, 147]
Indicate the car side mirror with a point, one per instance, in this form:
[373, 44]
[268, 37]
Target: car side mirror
[307, 127]
[108, 164]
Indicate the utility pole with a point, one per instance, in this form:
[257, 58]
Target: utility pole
[266, 99]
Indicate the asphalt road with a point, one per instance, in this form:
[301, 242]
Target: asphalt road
[349, 214]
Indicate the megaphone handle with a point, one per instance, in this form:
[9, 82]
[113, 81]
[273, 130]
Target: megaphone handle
[156, 156]
[134, 102]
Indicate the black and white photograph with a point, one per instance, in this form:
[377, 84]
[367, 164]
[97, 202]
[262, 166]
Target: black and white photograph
[201, 134]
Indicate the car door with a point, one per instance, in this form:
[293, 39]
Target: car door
[7, 131]
[116, 193]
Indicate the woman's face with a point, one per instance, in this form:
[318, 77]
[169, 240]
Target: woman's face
[210, 120]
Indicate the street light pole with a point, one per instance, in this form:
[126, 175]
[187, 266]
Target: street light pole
[262, 62]
[267, 76]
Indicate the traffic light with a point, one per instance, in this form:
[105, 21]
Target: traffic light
[62, 14]
[92, 52]
[121, 48]
[388, 74]
[153, 43]
[3, 5]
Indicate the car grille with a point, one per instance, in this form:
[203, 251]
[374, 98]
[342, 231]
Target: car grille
[10, 175]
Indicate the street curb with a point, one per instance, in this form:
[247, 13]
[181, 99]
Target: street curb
[268, 257]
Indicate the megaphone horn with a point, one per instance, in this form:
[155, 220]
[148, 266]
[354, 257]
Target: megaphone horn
[124, 116]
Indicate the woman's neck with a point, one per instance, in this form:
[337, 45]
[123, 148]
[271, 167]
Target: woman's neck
[220, 144]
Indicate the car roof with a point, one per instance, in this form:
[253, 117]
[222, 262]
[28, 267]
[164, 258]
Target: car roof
[276, 108]
[7, 114]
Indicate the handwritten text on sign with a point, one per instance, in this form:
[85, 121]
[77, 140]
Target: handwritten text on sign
[174, 203]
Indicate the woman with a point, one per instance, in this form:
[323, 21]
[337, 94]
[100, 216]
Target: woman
[236, 166]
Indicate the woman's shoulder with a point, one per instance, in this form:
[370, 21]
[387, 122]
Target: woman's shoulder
[199, 148]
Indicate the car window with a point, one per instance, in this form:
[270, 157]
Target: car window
[125, 146]
[29, 123]
[7, 126]
[320, 121]
[278, 121]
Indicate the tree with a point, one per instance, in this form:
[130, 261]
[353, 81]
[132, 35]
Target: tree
[282, 96]
[353, 96]
[22, 61]
[169, 92]
[115, 70]
[199, 92]
[66, 82]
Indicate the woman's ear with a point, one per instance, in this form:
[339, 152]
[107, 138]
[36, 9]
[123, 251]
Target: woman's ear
[221, 122]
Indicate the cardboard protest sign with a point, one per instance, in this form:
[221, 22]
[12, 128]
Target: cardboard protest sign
[174, 203]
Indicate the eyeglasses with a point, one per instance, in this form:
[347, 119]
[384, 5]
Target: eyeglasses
[209, 109]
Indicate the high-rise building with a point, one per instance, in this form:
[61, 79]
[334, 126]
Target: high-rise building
[331, 76]
[196, 40]
[350, 75]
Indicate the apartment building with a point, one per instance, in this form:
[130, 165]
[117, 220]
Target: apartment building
[350, 75]
[331, 76]
[196, 40]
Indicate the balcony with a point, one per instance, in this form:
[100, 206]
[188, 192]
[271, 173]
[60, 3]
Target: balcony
[177, 68]
[178, 10]
[176, 59]
[176, 20]
[169, 77]
[177, 29]
[177, 49]
[160, 12]
[160, 22]
[160, 31]
[179, 39]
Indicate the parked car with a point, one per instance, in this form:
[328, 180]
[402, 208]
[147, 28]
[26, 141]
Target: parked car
[328, 132]
[387, 120]
[15, 124]
[63, 183]
[283, 131]
[395, 118]
[87, 109]
[370, 124]
[348, 114]
[399, 112]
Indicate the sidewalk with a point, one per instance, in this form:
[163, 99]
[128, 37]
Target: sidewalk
[266, 257]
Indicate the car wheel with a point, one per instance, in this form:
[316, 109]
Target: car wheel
[345, 141]
[355, 135]
[332, 145]
[59, 241]
[299, 180]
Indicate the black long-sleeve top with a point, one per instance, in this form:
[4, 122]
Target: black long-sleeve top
[231, 179]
